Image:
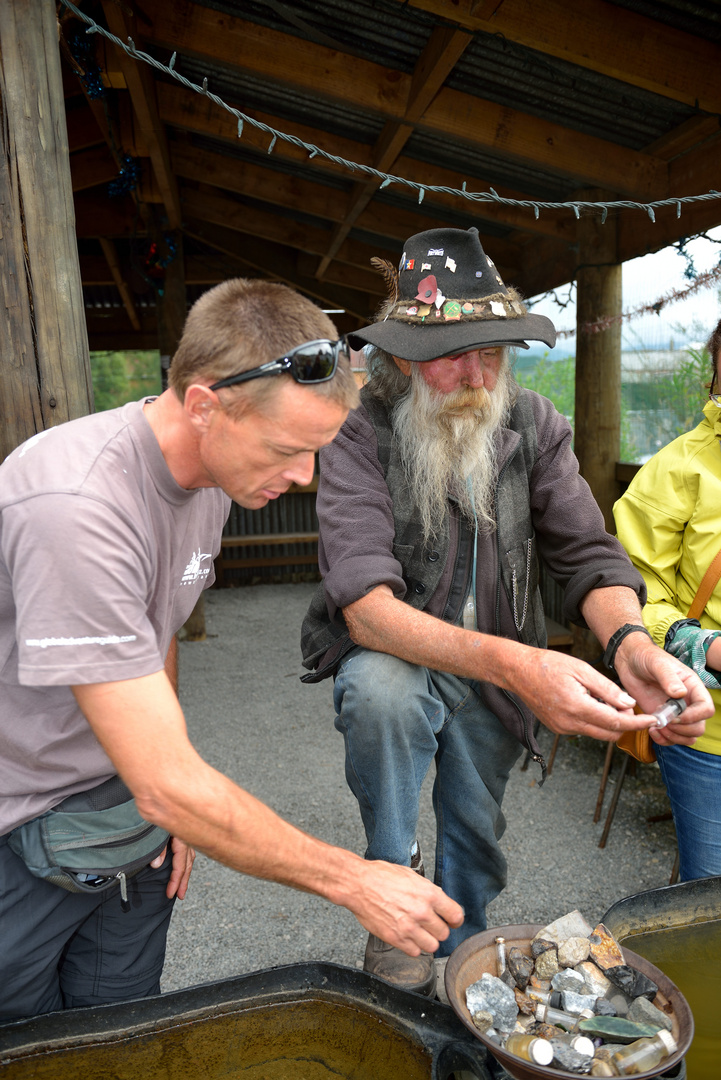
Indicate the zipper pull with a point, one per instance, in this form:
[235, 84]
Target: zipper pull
[124, 902]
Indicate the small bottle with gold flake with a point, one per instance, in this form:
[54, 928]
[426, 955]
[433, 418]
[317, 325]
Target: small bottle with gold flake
[530, 1048]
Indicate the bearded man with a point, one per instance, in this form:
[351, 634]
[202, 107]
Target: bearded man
[436, 502]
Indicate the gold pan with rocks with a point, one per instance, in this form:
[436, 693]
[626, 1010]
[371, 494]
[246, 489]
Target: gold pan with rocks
[567, 1000]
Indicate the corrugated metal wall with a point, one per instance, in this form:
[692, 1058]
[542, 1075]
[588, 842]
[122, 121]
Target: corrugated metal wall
[291, 513]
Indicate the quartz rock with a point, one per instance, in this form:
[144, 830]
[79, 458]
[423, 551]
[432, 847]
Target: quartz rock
[572, 951]
[539, 945]
[576, 1003]
[539, 984]
[597, 985]
[520, 967]
[642, 1011]
[565, 1057]
[547, 964]
[571, 925]
[605, 950]
[619, 1003]
[491, 995]
[569, 980]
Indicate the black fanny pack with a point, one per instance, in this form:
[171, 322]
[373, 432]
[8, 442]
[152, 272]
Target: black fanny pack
[90, 841]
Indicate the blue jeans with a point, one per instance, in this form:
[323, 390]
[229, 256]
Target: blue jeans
[397, 718]
[693, 782]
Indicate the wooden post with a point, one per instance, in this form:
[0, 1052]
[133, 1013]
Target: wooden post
[598, 359]
[44, 360]
[172, 307]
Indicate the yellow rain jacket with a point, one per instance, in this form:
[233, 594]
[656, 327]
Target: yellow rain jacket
[669, 521]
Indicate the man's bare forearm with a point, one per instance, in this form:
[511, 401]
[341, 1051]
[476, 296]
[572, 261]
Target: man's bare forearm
[141, 727]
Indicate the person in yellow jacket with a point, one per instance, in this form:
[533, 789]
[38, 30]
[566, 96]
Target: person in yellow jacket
[669, 521]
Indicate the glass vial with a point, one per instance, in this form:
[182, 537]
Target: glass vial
[500, 956]
[545, 1014]
[530, 1048]
[644, 1054]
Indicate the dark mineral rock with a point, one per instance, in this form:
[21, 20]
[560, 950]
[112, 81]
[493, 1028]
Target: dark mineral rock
[624, 977]
[644, 987]
[543, 1031]
[526, 1005]
[520, 967]
[540, 945]
[602, 1007]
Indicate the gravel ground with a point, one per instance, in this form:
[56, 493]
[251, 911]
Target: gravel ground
[250, 717]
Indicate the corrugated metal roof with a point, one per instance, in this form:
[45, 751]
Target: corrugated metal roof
[700, 17]
[498, 70]
[485, 164]
[247, 93]
[492, 68]
[380, 30]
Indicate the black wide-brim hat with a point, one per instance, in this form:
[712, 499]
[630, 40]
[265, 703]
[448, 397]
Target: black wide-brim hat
[447, 297]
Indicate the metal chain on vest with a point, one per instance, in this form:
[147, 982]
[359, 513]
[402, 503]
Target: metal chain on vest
[514, 584]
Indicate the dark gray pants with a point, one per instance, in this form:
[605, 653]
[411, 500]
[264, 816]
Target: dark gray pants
[59, 950]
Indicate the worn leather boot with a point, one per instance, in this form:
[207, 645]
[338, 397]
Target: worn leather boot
[415, 973]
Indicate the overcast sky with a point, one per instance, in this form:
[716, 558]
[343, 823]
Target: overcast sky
[645, 280]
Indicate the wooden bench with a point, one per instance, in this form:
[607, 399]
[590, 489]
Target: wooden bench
[225, 562]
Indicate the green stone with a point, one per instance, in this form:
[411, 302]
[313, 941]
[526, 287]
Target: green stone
[616, 1028]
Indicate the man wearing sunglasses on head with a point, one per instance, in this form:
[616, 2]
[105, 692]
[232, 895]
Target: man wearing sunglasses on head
[109, 527]
[436, 501]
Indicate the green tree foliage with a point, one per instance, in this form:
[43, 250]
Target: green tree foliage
[554, 379]
[672, 400]
[119, 377]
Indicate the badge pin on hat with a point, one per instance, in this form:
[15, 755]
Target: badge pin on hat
[447, 297]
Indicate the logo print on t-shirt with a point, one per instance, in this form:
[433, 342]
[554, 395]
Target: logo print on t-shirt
[194, 570]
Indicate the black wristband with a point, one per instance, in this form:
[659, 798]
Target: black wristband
[615, 640]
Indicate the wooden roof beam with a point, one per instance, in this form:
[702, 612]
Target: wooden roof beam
[190, 112]
[259, 181]
[140, 83]
[434, 65]
[91, 167]
[609, 40]
[272, 261]
[209, 205]
[188, 27]
[111, 257]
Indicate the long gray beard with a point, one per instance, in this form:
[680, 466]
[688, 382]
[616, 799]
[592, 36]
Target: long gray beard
[452, 453]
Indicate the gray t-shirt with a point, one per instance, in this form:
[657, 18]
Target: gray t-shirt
[102, 559]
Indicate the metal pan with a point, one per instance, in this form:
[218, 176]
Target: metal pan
[477, 954]
[311, 1020]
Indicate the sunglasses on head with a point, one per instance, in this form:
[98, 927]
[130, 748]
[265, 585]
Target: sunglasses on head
[312, 362]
